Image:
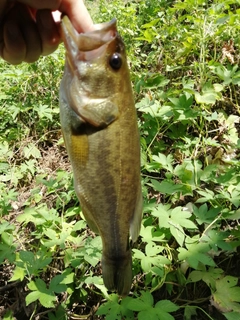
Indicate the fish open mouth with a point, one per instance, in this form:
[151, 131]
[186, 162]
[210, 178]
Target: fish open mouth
[90, 45]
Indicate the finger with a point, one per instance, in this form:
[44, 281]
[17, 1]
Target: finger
[21, 40]
[78, 14]
[32, 41]
[48, 31]
[13, 47]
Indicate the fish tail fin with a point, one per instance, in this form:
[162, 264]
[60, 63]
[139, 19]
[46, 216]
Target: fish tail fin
[117, 273]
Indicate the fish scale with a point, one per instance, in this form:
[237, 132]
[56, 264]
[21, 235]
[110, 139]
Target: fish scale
[99, 126]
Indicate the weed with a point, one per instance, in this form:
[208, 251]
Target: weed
[184, 63]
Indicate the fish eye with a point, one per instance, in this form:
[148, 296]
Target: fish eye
[116, 61]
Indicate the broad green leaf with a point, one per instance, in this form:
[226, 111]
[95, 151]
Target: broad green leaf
[7, 253]
[181, 217]
[18, 274]
[149, 234]
[7, 238]
[164, 161]
[166, 187]
[145, 302]
[47, 300]
[9, 315]
[234, 216]
[217, 239]
[178, 232]
[152, 249]
[31, 151]
[147, 298]
[204, 215]
[56, 285]
[206, 98]
[146, 263]
[68, 277]
[167, 306]
[163, 216]
[6, 226]
[196, 253]
[40, 292]
[231, 315]
[162, 315]
[138, 254]
[150, 24]
[207, 195]
[59, 314]
[208, 276]
[148, 314]
[32, 296]
[189, 311]
[228, 300]
[137, 305]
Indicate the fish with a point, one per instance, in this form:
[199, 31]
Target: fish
[100, 130]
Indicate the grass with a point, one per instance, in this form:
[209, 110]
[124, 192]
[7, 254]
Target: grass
[184, 64]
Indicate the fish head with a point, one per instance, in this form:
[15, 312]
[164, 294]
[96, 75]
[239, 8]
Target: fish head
[96, 61]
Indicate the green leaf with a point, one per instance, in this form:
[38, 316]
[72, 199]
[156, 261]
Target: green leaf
[162, 212]
[142, 303]
[204, 215]
[148, 314]
[166, 187]
[167, 306]
[32, 296]
[18, 274]
[196, 253]
[207, 195]
[231, 315]
[9, 315]
[56, 285]
[6, 226]
[150, 24]
[228, 300]
[31, 151]
[164, 161]
[7, 253]
[189, 312]
[58, 314]
[217, 239]
[152, 249]
[7, 238]
[178, 232]
[208, 276]
[136, 305]
[41, 293]
[206, 98]
[181, 217]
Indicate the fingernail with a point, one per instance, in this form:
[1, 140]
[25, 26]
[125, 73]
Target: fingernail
[46, 19]
[12, 31]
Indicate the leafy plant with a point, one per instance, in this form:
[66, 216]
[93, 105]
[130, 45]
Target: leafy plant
[183, 57]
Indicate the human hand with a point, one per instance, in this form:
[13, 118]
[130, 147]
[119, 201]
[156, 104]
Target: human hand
[28, 29]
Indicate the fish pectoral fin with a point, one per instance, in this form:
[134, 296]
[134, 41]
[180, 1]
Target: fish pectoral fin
[136, 221]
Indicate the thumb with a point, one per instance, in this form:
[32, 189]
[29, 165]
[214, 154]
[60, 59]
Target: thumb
[78, 14]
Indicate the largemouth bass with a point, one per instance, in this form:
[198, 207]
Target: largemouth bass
[99, 126]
